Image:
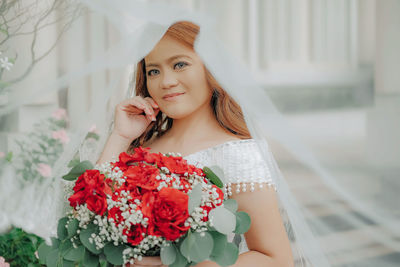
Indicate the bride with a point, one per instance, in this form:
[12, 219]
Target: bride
[180, 107]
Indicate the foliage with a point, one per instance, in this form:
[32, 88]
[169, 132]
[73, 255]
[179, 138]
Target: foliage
[18, 248]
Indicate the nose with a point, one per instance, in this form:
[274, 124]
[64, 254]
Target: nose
[168, 80]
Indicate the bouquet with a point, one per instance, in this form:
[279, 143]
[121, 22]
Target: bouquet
[146, 204]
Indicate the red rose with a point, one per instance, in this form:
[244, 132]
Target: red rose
[97, 202]
[176, 165]
[167, 211]
[220, 194]
[135, 234]
[143, 176]
[116, 214]
[89, 183]
[213, 206]
[140, 154]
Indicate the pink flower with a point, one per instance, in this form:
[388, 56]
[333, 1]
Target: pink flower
[61, 135]
[60, 114]
[44, 170]
[93, 129]
[3, 262]
[2, 155]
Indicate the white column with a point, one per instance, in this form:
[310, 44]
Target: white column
[383, 126]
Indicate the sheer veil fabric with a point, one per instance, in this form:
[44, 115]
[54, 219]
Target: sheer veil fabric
[135, 27]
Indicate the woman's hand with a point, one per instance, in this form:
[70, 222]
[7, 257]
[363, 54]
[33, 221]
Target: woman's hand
[133, 116]
[148, 261]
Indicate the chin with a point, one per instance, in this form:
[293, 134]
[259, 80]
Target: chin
[177, 112]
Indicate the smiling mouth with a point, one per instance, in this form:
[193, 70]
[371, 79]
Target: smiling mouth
[172, 96]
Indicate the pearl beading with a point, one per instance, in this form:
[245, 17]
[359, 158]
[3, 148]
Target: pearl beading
[242, 163]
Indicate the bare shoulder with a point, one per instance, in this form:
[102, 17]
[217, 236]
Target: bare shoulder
[164, 144]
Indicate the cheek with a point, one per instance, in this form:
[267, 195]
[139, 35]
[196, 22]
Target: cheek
[199, 88]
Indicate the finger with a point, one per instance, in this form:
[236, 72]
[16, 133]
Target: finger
[132, 109]
[132, 105]
[149, 108]
[155, 106]
[139, 102]
[154, 261]
[152, 102]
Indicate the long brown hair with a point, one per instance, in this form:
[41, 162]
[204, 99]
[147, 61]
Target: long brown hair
[226, 110]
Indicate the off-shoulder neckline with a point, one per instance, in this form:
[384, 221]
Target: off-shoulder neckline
[227, 143]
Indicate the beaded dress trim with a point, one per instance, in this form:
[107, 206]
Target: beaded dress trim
[241, 161]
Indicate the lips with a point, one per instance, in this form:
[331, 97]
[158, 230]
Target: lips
[169, 96]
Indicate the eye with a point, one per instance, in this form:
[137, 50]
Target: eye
[153, 72]
[180, 65]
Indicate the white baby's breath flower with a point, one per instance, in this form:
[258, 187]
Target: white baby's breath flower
[5, 63]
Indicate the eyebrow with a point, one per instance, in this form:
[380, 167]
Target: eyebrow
[168, 60]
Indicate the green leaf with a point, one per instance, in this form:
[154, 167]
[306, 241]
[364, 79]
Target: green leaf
[90, 260]
[77, 171]
[105, 263]
[223, 220]
[84, 236]
[61, 230]
[66, 263]
[65, 246]
[197, 247]
[9, 156]
[75, 254]
[114, 253]
[168, 254]
[92, 135]
[73, 162]
[195, 198]
[180, 260]
[231, 205]
[220, 241]
[212, 176]
[72, 227]
[243, 222]
[43, 251]
[52, 258]
[228, 257]
[55, 243]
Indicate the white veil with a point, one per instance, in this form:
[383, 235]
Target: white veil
[334, 214]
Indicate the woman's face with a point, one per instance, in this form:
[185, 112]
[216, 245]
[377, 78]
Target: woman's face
[176, 79]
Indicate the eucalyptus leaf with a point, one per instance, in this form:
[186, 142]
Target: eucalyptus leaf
[43, 250]
[223, 220]
[55, 243]
[61, 230]
[220, 241]
[168, 254]
[231, 205]
[212, 176]
[72, 227]
[52, 258]
[186, 245]
[195, 198]
[180, 260]
[78, 170]
[114, 253]
[75, 254]
[197, 247]
[90, 260]
[228, 257]
[66, 263]
[84, 236]
[65, 246]
[243, 222]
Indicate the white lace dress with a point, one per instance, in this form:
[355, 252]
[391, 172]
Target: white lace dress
[243, 165]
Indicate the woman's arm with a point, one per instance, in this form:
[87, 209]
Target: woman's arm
[266, 239]
[114, 146]
[132, 117]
